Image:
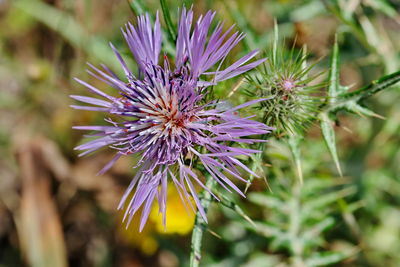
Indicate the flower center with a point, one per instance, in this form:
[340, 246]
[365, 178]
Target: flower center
[288, 85]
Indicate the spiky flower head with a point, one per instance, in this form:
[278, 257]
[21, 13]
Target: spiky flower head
[293, 94]
[163, 116]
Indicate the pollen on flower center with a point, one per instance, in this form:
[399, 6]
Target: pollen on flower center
[166, 114]
[174, 120]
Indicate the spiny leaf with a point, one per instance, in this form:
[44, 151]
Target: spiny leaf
[267, 200]
[322, 184]
[317, 229]
[348, 99]
[347, 211]
[271, 231]
[362, 111]
[326, 199]
[329, 137]
[374, 87]
[333, 89]
[233, 206]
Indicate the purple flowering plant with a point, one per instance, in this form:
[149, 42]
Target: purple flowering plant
[164, 117]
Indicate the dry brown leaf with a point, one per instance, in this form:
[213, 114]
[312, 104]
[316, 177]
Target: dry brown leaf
[38, 224]
[54, 159]
[83, 173]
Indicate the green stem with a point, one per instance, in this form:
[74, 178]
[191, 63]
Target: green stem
[296, 244]
[293, 142]
[374, 87]
[364, 92]
[200, 225]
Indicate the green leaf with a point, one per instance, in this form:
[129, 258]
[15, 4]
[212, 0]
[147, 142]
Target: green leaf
[136, 7]
[259, 258]
[242, 22]
[266, 200]
[329, 137]
[383, 6]
[326, 199]
[326, 258]
[224, 200]
[316, 230]
[168, 21]
[335, 89]
[69, 29]
[362, 111]
[139, 8]
[269, 230]
[188, 3]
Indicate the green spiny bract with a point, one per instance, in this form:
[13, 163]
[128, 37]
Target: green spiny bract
[285, 78]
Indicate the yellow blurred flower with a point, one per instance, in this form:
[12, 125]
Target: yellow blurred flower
[180, 221]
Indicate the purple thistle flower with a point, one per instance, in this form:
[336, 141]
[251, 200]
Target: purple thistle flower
[164, 118]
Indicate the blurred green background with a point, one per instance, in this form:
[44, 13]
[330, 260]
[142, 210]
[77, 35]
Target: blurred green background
[54, 210]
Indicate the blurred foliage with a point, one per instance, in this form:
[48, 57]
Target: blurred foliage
[300, 218]
[54, 211]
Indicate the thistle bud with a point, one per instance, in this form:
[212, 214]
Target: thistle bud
[285, 79]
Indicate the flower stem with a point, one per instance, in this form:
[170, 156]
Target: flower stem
[200, 225]
[364, 92]
[374, 87]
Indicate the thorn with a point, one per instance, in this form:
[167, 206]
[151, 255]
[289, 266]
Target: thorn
[378, 116]
[350, 86]
[214, 234]
[266, 182]
[267, 164]
[347, 129]
[236, 87]
[247, 218]
[338, 168]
